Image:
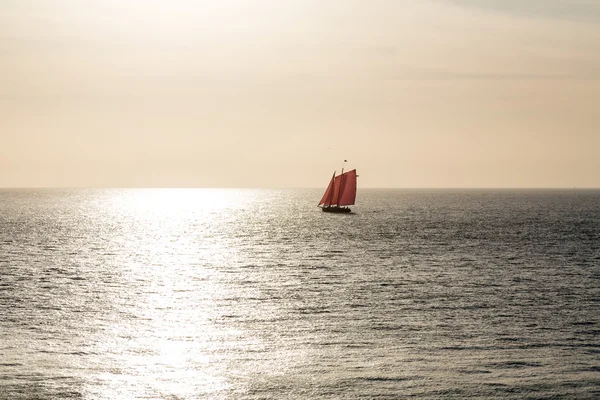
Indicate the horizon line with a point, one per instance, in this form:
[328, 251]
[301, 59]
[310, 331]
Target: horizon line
[314, 187]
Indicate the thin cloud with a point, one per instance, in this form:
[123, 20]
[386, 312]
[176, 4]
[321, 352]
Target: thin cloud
[575, 10]
[446, 75]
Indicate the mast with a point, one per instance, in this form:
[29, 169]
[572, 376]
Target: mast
[341, 185]
[332, 189]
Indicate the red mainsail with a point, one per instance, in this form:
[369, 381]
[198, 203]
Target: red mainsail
[347, 194]
[341, 190]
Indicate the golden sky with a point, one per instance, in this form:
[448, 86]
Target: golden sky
[270, 93]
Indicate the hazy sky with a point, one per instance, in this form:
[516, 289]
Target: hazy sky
[271, 93]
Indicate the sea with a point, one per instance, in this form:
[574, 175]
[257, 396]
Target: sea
[257, 294]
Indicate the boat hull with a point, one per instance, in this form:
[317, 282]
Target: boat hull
[335, 209]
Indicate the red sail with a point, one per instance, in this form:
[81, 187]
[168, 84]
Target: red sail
[328, 196]
[347, 188]
[336, 191]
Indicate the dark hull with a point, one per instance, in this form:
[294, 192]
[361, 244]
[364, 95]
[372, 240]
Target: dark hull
[341, 210]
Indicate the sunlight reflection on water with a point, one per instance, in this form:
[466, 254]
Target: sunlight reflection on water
[173, 329]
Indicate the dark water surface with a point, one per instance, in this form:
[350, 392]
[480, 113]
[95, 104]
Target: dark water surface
[256, 294]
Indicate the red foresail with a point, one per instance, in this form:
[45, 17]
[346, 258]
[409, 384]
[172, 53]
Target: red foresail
[328, 196]
[347, 185]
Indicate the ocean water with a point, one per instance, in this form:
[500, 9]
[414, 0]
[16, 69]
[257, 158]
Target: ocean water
[257, 294]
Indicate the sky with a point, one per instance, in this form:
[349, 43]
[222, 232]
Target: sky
[269, 93]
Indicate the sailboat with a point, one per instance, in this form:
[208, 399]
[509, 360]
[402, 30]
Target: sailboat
[340, 193]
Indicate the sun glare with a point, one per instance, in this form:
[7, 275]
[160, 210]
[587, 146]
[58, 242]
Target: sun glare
[178, 20]
[176, 203]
